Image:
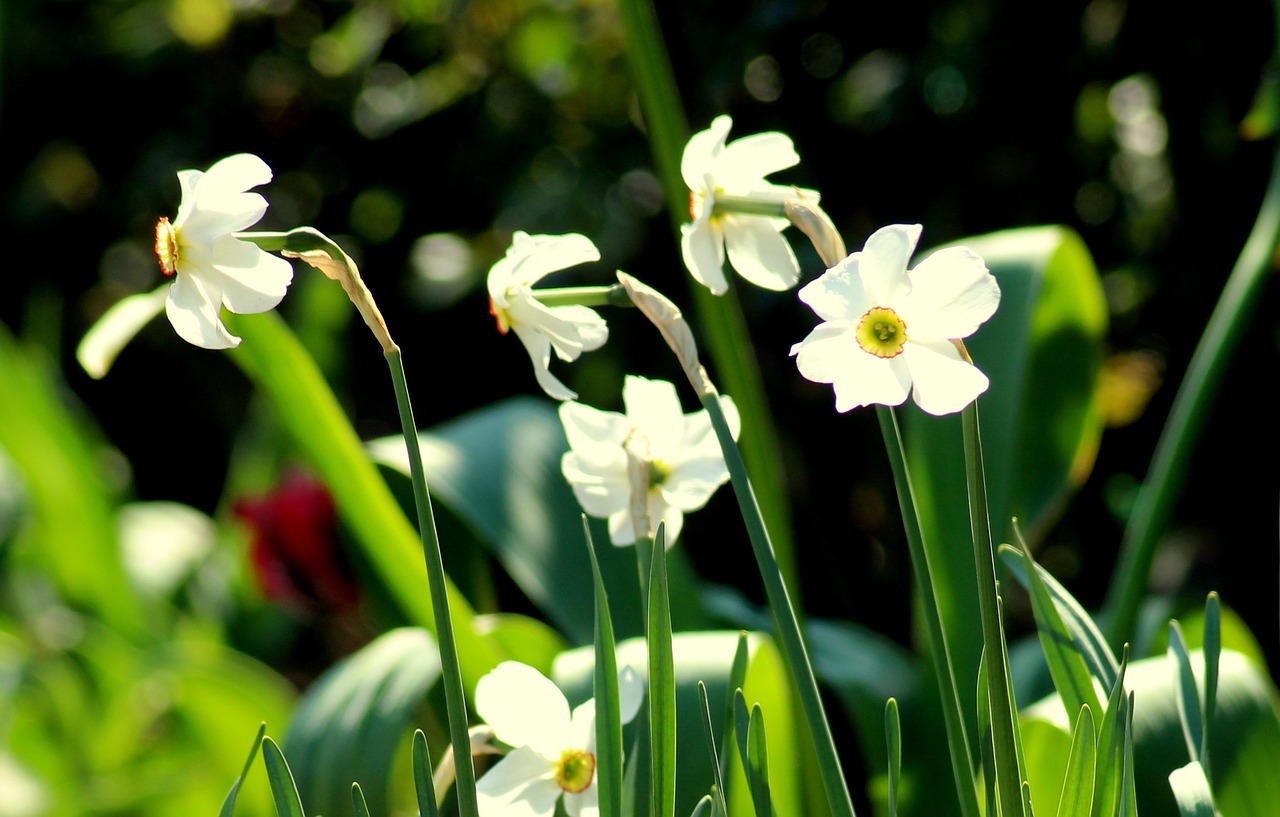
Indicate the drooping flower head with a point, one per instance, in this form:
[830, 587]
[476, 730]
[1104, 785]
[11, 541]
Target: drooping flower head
[569, 330]
[733, 207]
[888, 331]
[211, 268]
[553, 751]
[683, 456]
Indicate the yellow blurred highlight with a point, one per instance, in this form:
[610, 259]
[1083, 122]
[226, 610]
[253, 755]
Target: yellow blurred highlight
[66, 175]
[1128, 381]
[200, 23]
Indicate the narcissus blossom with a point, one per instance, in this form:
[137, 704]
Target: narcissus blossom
[569, 330]
[684, 458]
[553, 752]
[733, 207]
[211, 267]
[888, 330]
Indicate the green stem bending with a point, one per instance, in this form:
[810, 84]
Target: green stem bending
[613, 295]
[1000, 694]
[784, 616]
[957, 737]
[455, 699]
[727, 337]
[1190, 411]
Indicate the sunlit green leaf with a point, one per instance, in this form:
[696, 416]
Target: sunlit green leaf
[288, 803]
[1191, 791]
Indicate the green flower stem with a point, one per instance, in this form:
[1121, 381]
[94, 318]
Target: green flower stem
[584, 296]
[727, 336]
[957, 737]
[455, 699]
[1004, 739]
[784, 616]
[759, 204]
[1190, 410]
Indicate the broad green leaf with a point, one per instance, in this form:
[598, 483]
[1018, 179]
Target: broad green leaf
[1042, 352]
[609, 757]
[1080, 627]
[1066, 656]
[1184, 684]
[707, 657]
[522, 638]
[662, 684]
[1191, 790]
[1076, 799]
[278, 365]
[423, 782]
[73, 530]
[497, 470]
[352, 720]
[288, 803]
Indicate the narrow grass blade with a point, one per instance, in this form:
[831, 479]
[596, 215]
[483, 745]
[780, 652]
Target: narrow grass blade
[229, 804]
[283, 790]
[737, 680]
[357, 801]
[1076, 799]
[1184, 682]
[1067, 664]
[423, 782]
[717, 788]
[605, 683]
[662, 685]
[1111, 747]
[1027, 808]
[1128, 789]
[752, 749]
[705, 808]
[1212, 654]
[986, 748]
[1085, 634]
[893, 741]
[1191, 791]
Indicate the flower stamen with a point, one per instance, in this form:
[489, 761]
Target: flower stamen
[881, 332]
[166, 246]
[575, 770]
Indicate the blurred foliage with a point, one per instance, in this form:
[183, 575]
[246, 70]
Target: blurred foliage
[422, 133]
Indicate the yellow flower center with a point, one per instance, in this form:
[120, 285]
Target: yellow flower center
[882, 332]
[167, 246]
[658, 473]
[575, 770]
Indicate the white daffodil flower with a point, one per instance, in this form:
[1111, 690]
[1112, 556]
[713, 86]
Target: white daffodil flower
[733, 207]
[211, 267]
[888, 330]
[570, 330]
[685, 462]
[553, 751]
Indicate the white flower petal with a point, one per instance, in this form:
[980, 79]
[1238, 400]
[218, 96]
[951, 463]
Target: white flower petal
[584, 804]
[582, 734]
[759, 252]
[536, 256]
[671, 516]
[703, 151]
[654, 410]
[524, 708]
[942, 381]
[539, 349]
[883, 264]
[952, 294]
[194, 310]
[746, 161]
[522, 784]
[570, 329]
[872, 380]
[699, 440]
[252, 280]
[237, 173]
[838, 294]
[821, 356]
[117, 326]
[592, 433]
[702, 247]
[631, 689]
[601, 491]
[621, 530]
[219, 213]
[189, 181]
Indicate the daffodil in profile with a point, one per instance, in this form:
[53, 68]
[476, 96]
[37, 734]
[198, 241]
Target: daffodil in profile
[733, 208]
[553, 750]
[888, 331]
[685, 463]
[570, 330]
[211, 267]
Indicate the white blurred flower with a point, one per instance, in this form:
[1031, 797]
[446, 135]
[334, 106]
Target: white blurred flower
[553, 751]
[570, 330]
[733, 206]
[888, 330]
[685, 462]
[211, 267]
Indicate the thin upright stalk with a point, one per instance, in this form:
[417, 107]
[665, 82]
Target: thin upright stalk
[957, 737]
[455, 699]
